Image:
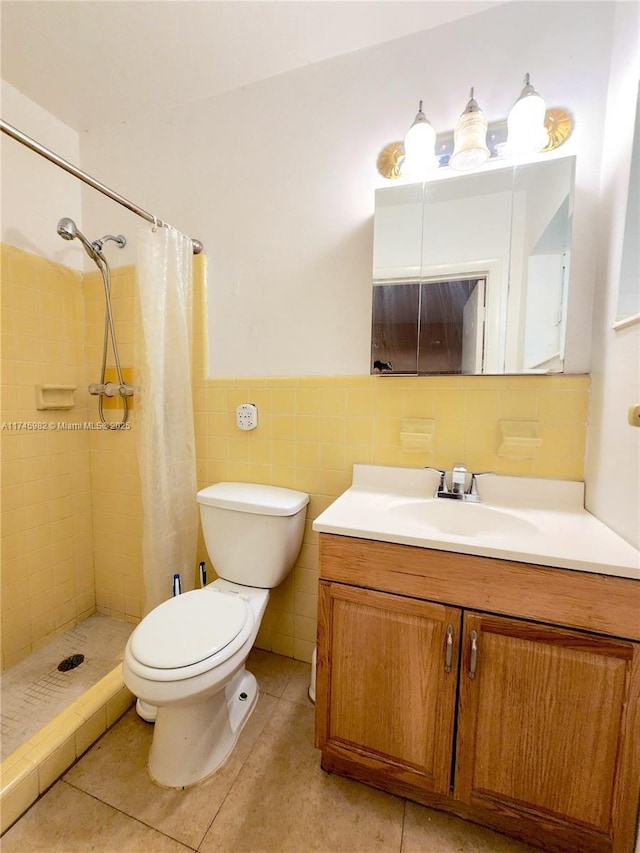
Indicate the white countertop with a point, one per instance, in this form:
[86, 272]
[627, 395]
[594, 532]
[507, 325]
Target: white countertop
[540, 521]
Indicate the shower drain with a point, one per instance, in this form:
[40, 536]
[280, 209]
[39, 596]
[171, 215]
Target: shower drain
[70, 663]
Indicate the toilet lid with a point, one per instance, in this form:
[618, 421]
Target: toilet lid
[188, 628]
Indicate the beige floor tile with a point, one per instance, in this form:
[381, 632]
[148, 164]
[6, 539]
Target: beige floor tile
[436, 832]
[297, 690]
[68, 821]
[115, 771]
[270, 796]
[284, 802]
[272, 671]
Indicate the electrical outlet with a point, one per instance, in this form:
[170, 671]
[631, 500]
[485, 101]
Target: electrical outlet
[247, 416]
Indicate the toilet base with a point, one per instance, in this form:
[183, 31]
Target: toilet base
[192, 741]
[146, 712]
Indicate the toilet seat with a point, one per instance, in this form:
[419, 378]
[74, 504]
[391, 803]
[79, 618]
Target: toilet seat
[188, 629]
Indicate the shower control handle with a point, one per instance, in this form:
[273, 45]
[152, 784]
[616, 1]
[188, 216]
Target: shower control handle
[110, 389]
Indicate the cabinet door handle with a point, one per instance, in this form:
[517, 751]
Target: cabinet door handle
[473, 660]
[448, 654]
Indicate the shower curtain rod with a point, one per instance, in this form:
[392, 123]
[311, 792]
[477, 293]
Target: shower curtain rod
[78, 173]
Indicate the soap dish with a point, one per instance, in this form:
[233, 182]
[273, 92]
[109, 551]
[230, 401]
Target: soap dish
[55, 397]
[417, 434]
[518, 439]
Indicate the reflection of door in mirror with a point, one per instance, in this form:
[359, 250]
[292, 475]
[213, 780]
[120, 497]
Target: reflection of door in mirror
[429, 327]
[451, 338]
[394, 330]
[510, 227]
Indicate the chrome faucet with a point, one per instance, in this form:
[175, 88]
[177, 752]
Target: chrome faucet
[458, 478]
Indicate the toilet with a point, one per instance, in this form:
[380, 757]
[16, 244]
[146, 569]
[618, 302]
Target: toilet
[186, 658]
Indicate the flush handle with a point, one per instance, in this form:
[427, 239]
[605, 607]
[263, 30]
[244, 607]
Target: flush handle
[473, 659]
[448, 654]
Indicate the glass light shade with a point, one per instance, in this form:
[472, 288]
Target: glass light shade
[419, 147]
[470, 138]
[526, 133]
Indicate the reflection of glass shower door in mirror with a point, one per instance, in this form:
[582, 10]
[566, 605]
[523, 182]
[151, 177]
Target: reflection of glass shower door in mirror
[451, 338]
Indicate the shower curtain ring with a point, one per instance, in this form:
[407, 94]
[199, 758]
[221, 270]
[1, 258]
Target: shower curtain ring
[156, 222]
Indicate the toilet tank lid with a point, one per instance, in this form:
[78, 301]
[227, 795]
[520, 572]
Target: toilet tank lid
[254, 498]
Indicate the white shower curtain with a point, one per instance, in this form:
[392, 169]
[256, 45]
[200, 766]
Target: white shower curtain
[164, 413]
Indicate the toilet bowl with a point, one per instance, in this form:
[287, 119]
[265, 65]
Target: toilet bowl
[186, 658]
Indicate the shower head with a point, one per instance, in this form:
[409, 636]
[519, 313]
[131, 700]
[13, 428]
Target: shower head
[67, 229]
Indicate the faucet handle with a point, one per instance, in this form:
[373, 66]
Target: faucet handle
[442, 487]
[473, 485]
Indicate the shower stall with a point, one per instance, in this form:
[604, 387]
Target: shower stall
[72, 535]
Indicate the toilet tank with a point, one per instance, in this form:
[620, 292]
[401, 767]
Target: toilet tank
[253, 533]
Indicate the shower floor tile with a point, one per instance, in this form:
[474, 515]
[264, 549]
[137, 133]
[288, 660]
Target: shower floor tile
[34, 691]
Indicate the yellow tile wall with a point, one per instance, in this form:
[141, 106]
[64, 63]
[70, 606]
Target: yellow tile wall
[47, 544]
[116, 504]
[311, 431]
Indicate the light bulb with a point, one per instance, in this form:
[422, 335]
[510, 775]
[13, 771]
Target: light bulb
[470, 138]
[419, 147]
[526, 133]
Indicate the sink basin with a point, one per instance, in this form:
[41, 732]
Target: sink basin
[457, 518]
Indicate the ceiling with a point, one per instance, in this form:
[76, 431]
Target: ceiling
[93, 63]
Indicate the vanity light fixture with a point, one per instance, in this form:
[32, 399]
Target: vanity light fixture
[526, 131]
[419, 147]
[548, 129]
[470, 138]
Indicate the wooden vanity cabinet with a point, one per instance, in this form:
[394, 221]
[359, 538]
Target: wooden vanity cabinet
[529, 727]
[392, 682]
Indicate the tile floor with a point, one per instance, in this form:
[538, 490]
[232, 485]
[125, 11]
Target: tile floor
[271, 795]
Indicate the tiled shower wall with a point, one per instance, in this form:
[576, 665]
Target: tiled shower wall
[311, 431]
[47, 546]
[116, 508]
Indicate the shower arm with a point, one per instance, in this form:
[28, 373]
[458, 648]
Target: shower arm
[21, 137]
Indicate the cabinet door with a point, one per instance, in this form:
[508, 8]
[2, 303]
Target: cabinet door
[548, 729]
[386, 685]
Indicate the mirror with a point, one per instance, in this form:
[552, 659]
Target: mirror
[629, 291]
[471, 273]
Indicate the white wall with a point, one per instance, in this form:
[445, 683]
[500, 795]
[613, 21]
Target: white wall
[278, 178]
[35, 193]
[613, 455]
